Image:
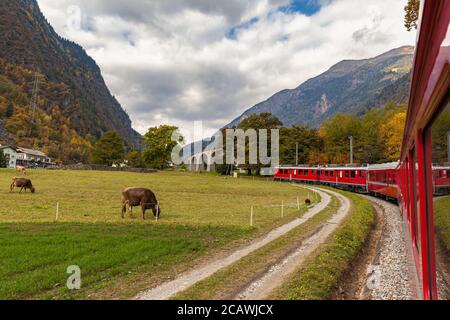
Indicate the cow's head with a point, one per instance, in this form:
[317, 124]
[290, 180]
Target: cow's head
[156, 211]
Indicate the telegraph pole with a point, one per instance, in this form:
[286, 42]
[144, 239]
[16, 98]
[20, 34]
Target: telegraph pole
[296, 153]
[351, 149]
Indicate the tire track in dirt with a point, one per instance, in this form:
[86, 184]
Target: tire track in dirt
[186, 280]
[278, 273]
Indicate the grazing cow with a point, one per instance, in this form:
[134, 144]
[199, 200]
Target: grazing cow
[22, 184]
[21, 169]
[308, 202]
[140, 197]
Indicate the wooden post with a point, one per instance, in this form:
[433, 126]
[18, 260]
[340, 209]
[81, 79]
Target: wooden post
[251, 217]
[298, 203]
[282, 208]
[57, 211]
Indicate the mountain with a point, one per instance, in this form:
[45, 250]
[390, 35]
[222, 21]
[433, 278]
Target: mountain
[70, 82]
[351, 87]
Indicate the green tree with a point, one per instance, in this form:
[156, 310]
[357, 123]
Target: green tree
[158, 153]
[412, 14]
[3, 162]
[135, 159]
[310, 144]
[109, 149]
[336, 133]
[263, 121]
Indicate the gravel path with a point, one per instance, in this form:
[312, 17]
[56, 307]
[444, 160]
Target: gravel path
[278, 273]
[185, 281]
[392, 275]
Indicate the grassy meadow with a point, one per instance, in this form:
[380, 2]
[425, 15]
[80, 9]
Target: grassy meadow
[118, 257]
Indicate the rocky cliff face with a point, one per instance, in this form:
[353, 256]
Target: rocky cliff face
[28, 41]
[351, 86]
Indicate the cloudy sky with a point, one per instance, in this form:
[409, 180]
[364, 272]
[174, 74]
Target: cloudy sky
[180, 61]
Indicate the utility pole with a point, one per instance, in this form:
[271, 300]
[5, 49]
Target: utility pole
[296, 153]
[351, 149]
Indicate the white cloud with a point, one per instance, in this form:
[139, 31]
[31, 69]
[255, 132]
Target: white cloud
[171, 61]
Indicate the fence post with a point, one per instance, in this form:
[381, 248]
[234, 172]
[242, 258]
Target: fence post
[298, 203]
[282, 208]
[57, 211]
[251, 217]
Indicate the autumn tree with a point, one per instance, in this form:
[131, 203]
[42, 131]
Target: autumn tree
[412, 14]
[109, 149]
[159, 146]
[392, 135]
[9, 109]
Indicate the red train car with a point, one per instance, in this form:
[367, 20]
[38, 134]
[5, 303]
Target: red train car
[352, 178]
[441, 180]
[298, 174]
[382, 180]
[426, 139]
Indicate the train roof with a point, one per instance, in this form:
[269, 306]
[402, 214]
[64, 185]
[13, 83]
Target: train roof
[329, 168]
[385, 166]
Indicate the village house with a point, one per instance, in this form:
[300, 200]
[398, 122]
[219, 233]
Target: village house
[10, 155]
[32, 158]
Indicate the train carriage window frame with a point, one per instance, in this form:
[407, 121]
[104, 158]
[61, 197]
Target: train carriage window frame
[429, 160]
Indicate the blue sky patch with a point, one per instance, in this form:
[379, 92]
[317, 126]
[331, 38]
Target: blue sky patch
[232, 33]
[306, 7]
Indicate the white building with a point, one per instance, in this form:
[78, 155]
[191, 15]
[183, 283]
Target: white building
[10, 155]
[28, 157]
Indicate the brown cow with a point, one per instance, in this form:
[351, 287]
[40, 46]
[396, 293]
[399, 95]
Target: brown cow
[21, 169]
[308, 202]
[22, 184]
[140, 197]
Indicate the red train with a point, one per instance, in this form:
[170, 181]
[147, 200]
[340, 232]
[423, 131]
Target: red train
[424, 170]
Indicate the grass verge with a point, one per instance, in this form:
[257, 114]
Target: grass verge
[320, 274]
[226, 283]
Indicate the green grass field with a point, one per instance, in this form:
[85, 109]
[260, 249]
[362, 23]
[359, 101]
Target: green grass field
[200, 214]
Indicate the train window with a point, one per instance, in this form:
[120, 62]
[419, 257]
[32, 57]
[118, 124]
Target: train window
[440, 159]
[415, 199]
[353, 174]
[326, 173]
[346, 174]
